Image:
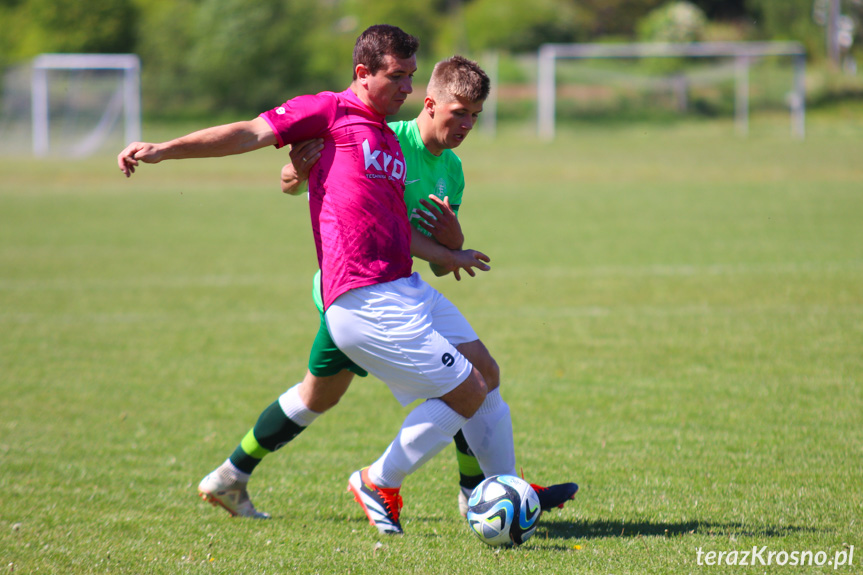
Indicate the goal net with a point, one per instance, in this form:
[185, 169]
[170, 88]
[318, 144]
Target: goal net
[591, 81]
[71, 104]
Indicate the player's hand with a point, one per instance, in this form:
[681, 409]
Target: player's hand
[291, 183]
[441, 222]
[137, 152]
[469, 260]
[304, 155]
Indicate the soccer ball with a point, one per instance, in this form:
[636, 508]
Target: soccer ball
[503, 511]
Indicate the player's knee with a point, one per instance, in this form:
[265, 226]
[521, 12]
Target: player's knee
[476, 393]
[491, 374]
[468, 396]
[321, 394]
[479, 356]
[490, 371]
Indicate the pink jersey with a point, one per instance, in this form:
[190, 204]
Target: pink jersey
[356, 189]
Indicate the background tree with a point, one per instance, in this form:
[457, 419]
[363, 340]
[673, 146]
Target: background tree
[517, 26]
[81, 26]
[678, 21]
[723, 9]
[238, 56]
[164, 40]
[242, 43]
[31, 27]
[227, 56]
[617, 18]
[788, 20]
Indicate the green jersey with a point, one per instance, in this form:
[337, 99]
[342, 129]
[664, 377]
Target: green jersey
[427, 174]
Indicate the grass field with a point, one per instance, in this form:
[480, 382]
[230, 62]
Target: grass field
[677, 312]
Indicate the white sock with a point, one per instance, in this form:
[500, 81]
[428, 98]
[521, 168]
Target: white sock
[295, 409]
[425, 432]
[229, 473]
[489, 435]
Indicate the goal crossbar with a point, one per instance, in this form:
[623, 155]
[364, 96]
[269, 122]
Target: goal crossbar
[129, 64]
[742, 52]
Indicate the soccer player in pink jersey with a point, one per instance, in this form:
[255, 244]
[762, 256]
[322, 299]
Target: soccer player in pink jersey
[385, 318]
[455, 95]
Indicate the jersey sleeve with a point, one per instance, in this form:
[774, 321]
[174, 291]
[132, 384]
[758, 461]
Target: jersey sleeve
[302, 118]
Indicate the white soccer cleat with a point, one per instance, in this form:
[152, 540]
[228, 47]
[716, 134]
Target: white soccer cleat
[381, 505]
[232, 496]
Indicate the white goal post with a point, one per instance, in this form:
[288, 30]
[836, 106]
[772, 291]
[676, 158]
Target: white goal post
[128, 97]
[742, 52]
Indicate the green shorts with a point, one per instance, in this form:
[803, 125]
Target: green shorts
[326, 359]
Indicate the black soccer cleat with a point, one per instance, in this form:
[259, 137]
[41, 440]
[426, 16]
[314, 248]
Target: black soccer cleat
[555, 495]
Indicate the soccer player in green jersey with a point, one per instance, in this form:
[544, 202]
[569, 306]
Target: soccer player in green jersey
[433, 192]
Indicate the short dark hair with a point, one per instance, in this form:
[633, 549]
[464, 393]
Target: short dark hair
[458, 76]
[381, 40]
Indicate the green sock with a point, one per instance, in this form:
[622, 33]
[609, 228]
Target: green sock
[469, 471]
[272, 431]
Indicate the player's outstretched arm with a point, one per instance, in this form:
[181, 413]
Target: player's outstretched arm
[215, 142]
[303, 157]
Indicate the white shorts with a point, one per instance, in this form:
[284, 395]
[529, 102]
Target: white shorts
[404, 333]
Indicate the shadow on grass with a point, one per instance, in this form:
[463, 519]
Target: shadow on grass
[585, 529]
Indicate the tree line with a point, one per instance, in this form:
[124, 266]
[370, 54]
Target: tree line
[212, 56]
